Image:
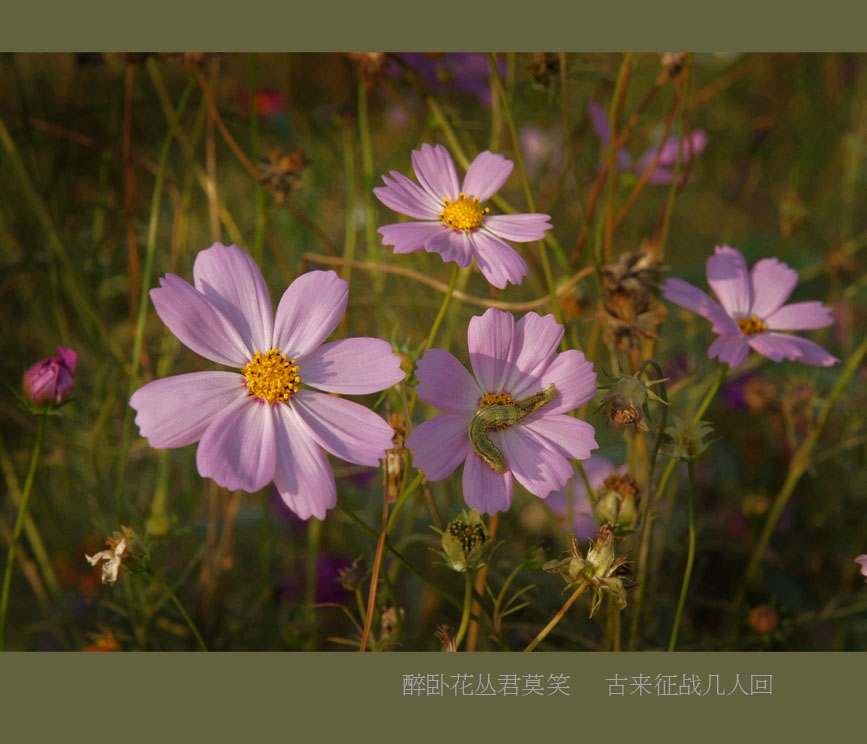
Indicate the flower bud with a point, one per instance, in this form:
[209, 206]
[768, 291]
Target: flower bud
[51, 380]
[624, 402]
[466, 542]
[616, 501]
[687, 438]
[763, 619]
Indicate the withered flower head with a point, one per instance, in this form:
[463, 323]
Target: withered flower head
[672, 62]
[466, 543]
[120, 545]
[395, 462]
[544, 68]
[445, 633]
[625, 400]
[282, 172]
[370, 64]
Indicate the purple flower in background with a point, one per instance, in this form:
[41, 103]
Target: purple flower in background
[455, 224]
[467, 72]
[261, 425]
[861, 560]
[510, 361]
[664, 170]
[750, 310]
[52, 379]
[597, 469]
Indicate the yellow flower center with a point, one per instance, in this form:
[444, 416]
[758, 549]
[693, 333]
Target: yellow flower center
[497, 399]
[464, 214]
[272, 377]
[752, 325]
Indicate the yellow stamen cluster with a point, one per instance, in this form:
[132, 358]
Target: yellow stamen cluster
[752, 325]
[464, 214]
[272, 377]
[497, 399]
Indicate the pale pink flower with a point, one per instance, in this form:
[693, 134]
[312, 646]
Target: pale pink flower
[264, 424]
[750, 311]
[454, 222]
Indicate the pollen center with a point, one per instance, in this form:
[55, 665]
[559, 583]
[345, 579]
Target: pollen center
[752, 325]
[497, 399]
[272, 377]
[464, 214]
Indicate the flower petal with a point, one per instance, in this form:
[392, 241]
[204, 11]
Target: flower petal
[599, 120]
[538, 467]
[440, 444]
[490, 340]
[346, 429]
[694, 146]
[238, 450]
[574, 378]
[232, 281]
[536, 341]
[772, 282]
[445, 383]
[692, 298]
[452, 245]
[198, 323]
[800, 316]
[486, 174]
[435, 171]
[498, 261]
[732, 350]
[352, 365]
[310, 309]
[521, 228]
[571, 436]
[779, 346]
[176, 411]
[485, 490]
[407, 197]
[408, 237]
[728, 277]
[303, 476]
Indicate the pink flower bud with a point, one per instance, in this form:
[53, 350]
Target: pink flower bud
[51, 380]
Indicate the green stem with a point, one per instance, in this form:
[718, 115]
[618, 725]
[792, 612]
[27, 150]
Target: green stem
[465, 615]
[616, 105]
[180, 608]
[349, 239]
[711, 393]
[690, 557]
[392, 518]
[16, 532]
[556, 619]
[259, 239]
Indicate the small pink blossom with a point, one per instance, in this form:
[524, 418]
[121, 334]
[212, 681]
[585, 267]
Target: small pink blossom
[750, 312]
[51, 380]
[453, 221]
[861, 560]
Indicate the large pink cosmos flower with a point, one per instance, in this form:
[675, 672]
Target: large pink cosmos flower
[750, 310]
[510, 361]
[262, 424]
[455, 224]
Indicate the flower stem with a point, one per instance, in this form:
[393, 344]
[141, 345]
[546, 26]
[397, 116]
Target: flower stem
[16, 532]
[465, 615]
[314, 536]
[711, 393]
[556, 619]
[180, 608]
[690, 557]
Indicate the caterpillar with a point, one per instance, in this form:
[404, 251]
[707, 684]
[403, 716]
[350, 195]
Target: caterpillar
[502, 417]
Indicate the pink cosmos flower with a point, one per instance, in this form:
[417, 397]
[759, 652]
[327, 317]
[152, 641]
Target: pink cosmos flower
[263, 424]
[51, 380]
[861, 560]
[597, 469]
[455, 224]
[510, 362]
[750, 310]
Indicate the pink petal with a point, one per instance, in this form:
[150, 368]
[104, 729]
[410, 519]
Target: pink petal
[779, 346]
[599, 120]
[310, 309]
[303, 476]
[231, 280]
[521, 228]
[772, 283]
[440, 444]
[728, 277]
[352, 365]
[490, 340]
[452, 245]
[694, 145]
[486, 174]
[346, 429]
[692, 298]
[498, 261]
[732, 350]
[445, 383]
[536, 341]
[238, 450]
[571, 436]
[435, 171]
[800, 316]
[538, 467]
[408, 237]
[485, 490]
[176, 411]
[406, 197]
[574, 378]
[198, 323]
